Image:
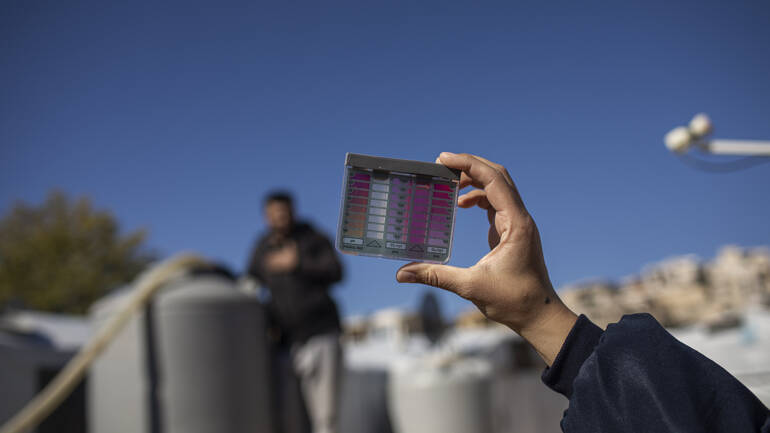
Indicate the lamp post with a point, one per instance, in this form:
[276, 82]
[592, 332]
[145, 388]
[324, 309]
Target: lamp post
[696, 134]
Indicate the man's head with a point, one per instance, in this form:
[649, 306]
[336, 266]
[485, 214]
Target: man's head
[279, 211]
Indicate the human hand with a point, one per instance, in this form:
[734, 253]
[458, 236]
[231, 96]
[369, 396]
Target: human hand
[284, 259]
[510, 284]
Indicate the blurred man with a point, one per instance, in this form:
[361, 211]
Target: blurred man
[298, 265]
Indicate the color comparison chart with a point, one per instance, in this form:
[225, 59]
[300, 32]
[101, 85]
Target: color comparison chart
[398, 209]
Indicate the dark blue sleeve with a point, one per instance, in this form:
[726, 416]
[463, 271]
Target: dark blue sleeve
[636, 377]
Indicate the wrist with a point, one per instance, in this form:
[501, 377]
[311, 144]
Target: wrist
[548, 329]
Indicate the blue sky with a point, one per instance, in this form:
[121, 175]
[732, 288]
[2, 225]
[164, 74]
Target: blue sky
[179, 116]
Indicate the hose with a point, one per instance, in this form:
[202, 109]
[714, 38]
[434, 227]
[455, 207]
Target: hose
[62, 385]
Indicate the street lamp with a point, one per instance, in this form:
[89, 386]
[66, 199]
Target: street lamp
[681, 139]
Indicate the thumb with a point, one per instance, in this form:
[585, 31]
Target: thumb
[445, 277]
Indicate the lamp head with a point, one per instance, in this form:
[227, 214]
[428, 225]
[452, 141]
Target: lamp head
[701, 126]
[678, 139]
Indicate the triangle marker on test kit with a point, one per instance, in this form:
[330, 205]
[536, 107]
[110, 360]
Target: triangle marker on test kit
[397, 209]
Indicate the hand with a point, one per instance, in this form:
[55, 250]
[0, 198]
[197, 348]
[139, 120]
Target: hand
[510, 284]
[284, 259]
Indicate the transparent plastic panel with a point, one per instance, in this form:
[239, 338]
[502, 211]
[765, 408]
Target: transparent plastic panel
[397, 215]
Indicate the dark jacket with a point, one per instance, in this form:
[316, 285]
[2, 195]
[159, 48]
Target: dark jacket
[636, 377]
[300, 303]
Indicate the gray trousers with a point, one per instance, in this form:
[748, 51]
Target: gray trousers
[318, 365]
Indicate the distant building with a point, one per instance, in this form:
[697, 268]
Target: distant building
[386, 325]
[681, 290]
[355, 329]
[393, 324]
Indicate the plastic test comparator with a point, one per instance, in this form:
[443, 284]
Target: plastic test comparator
[397, 209]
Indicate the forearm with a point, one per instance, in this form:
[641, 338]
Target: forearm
[547, 332]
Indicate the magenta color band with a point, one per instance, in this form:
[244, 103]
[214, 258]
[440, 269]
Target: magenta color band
[361, 176]
[437, 234]
[441, 195]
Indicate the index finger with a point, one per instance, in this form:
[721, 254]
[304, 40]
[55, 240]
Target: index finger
[500, 193]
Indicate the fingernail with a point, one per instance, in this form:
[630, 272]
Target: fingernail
[406, 276]
[447, 154]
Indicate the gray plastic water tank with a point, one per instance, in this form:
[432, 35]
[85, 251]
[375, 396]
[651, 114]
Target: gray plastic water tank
[199, 363]
[425, 396]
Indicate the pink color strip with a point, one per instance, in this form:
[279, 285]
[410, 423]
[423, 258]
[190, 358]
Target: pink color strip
[417, 225]
[416, 240]
[420, 193]
[358, 201]
[439, 210]
[441, 195]
[420, 216]
[438, 218]
[361, 176]
[437, 242]
[418, 208]
[361, 185]
[437, 234]
[360, 192]
[438, 202]
[442, 187]
[422, 201]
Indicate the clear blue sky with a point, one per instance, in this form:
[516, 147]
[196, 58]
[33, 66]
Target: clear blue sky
[178, 116]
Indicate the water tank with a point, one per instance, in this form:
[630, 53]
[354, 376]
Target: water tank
[432, 395]
[196, 361]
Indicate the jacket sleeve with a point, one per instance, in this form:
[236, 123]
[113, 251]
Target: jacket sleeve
[637, 377]
[255, 263]
[318, 260]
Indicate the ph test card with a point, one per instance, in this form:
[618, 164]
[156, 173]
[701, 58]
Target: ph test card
[398, 209]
